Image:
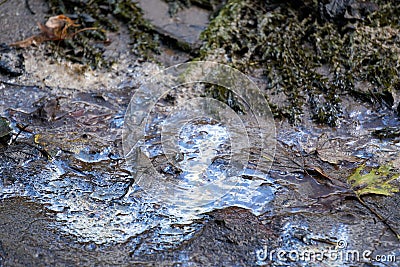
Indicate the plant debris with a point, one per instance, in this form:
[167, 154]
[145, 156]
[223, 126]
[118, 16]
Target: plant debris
[5, 131]
[110, 16]
[80, 34]
[381, 181]
[55, 29]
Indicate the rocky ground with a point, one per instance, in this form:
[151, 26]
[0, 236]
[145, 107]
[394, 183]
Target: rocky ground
[329, 72]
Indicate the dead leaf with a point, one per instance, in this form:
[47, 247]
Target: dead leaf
[56, 28]
[381, 181]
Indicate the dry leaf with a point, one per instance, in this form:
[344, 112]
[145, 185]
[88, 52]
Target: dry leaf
[55, 29]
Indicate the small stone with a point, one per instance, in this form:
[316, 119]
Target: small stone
[11, 62]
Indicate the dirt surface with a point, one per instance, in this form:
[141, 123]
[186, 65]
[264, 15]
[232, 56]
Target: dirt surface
[18, 22]
[67, 195]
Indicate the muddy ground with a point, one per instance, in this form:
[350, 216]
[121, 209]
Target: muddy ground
[65, 187]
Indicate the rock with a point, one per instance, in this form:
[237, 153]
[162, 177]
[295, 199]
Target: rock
[11, 61]
[184, 28]
[338, 10]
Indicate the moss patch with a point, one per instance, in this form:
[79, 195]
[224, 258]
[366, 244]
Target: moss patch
[312, 63]
[88, 46]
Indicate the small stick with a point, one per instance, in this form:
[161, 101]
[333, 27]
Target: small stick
[29, 7]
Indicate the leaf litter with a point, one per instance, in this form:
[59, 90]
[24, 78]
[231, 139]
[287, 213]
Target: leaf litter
[379, 181]
[56, 28]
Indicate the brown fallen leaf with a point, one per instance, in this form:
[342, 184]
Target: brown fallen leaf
[55, 29]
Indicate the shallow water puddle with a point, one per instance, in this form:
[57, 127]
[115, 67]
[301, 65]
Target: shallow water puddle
[89, 186]
[96, 211]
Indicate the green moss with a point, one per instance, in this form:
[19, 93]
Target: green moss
[87, 47]
[313, 63]
[5, 131]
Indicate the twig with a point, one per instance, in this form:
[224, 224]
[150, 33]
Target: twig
[29, 7]
[383, 220]
[85, 29]
[38, 148]
[307, 169]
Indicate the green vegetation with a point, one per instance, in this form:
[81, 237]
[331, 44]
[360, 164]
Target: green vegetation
[310, 63]
[176, 5]
[5, 131]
